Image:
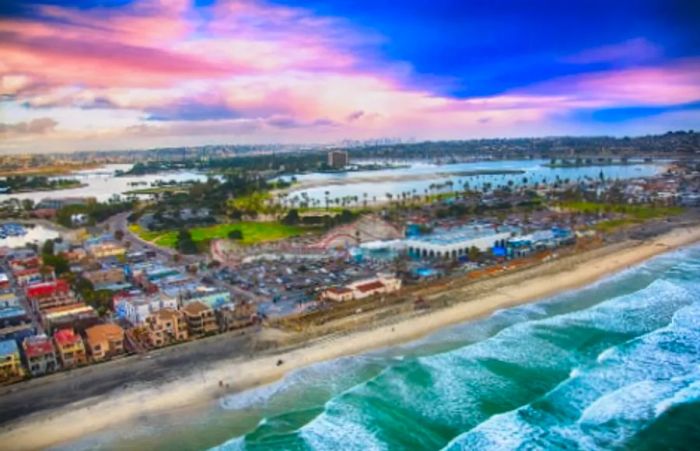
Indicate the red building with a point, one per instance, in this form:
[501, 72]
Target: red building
[45, 289]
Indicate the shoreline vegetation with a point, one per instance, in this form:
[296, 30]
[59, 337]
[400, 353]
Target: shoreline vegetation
[461, 300]
[49, 170]
[17, 184]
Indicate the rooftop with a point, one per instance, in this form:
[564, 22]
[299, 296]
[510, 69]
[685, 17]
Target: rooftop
[104, 332]
[66, 337]
[8, 347]
[370, 286]
[195, 308]
[37, 345]
[463, 233]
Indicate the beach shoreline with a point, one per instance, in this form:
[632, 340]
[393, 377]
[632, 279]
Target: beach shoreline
[61, 425]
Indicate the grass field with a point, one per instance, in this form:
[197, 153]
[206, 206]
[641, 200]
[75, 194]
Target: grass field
[161, 238]
[253, 233]
[630, 214]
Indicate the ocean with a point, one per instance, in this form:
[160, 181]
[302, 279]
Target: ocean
[615, 365]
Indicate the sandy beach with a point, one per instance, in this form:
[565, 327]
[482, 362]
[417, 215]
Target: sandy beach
[53, 427]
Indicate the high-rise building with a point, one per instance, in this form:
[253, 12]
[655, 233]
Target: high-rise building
[338, 159]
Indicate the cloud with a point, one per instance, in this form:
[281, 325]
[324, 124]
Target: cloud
[355, 115]
[33, 127]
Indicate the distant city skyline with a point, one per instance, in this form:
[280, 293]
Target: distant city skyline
[119, 74]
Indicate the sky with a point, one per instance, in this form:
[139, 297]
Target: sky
[131, 74]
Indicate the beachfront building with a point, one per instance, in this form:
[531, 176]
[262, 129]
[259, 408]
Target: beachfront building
[104, 341]
[10, 362]
[136, 307]
[166, 326]
[39, 355]
[456, 242]
[382, 284]
[234, 316]
[201, 319]
[338, 294]
[70, 348]
[539, 240]
[27, 276]
[212, 297]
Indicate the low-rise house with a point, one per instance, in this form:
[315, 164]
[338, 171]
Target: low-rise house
[105, 277]
[200, 318]
[361, 289]
[17, 333]
[46, 295]
[23, 262]
[211, 296]
[28, 276]
[166, 326]
[39, 355]
[105, 248]
[135, 308]
[234, 316]
[4, 281]
[104, 341]
[338, 294]
[77, 315]
[10, 362]
[70, 348]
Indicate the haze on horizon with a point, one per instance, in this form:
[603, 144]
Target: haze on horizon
[115, 74]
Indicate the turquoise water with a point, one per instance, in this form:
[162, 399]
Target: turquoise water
[613, 366]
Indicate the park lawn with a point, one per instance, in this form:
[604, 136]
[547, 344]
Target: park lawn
[164, 238]
[253, 232]
[639, 212]
[630, 214]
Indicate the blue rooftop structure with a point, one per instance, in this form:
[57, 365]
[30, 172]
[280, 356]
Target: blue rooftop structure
[464, 233]
[8, 347]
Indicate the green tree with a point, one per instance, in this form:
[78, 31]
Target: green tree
[185, 244]
[292, 217]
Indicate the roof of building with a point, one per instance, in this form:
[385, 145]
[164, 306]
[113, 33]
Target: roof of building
[196, 308]
[37, 345]
[8, 347]
[465, 233]
[339, 290]
[370, 286]
[67, 337]
[26, 272]
[12, 312]
[66, 310]
[167, 314]
[47, 288]
[104, 332]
